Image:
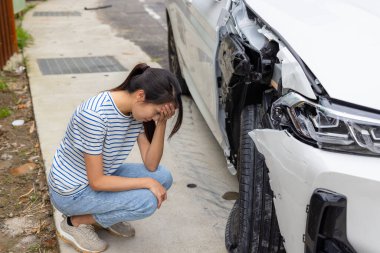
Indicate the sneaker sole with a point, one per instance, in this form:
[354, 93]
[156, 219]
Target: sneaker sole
[70, 240]
[111, 231]
[118, 234]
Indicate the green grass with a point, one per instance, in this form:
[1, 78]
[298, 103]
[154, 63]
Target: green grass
[33, 198]
[20, 15]
[3, 86]
[23, 38]
[4, 112]
[35, 247]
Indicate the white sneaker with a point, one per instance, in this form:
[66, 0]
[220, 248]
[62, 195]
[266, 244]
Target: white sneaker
[83, 237]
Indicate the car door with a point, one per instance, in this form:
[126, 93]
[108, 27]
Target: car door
[194, 24]
[202, 41]
[178, 12]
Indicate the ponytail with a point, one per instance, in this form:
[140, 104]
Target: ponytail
[137, 70]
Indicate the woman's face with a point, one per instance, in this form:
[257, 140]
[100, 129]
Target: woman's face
[143, 111]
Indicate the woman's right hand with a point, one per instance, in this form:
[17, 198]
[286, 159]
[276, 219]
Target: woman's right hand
[158, 190]
[167, 111]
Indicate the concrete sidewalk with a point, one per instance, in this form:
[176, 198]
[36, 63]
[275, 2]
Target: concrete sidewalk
[191, 220]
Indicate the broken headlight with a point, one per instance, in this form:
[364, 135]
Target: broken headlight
[329, 125]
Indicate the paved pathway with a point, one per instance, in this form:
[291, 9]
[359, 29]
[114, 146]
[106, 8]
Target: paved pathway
[192, 219]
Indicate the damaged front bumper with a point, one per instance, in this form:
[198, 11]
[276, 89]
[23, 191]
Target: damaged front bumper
[297, 170]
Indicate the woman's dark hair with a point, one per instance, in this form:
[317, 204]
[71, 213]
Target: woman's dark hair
[160, 86]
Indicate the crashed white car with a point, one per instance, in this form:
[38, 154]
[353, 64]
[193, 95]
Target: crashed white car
[289, 89]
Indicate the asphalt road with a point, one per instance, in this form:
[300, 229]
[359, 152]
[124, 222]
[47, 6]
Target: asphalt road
[141, 21]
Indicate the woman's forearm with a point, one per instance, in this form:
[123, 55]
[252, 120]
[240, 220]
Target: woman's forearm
[116, 183]
[154, 153]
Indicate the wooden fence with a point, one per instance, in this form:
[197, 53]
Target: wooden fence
[8, 38]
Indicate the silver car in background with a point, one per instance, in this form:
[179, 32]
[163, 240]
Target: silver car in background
[289, 90]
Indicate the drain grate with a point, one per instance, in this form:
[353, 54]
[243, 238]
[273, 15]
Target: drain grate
[79, 65]
[56, 13]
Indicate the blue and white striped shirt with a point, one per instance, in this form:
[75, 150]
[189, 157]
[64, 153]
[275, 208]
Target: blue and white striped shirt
[96, 127]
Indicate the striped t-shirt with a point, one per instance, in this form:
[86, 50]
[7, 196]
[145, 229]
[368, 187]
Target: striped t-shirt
[96, 127]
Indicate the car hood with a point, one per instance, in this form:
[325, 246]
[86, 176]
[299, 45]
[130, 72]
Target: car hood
[339, 40]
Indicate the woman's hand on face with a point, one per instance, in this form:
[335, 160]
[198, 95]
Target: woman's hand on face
[159, 191]
[167, 111]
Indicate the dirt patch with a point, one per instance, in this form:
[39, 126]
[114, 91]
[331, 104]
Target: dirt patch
[18, 225]
[26, 216]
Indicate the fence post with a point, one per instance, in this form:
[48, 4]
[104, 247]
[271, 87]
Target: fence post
[8, 37]
[12, 26]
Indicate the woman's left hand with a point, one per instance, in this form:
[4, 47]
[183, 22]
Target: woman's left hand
[167, 111]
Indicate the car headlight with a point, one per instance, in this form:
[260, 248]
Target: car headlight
[328, 124]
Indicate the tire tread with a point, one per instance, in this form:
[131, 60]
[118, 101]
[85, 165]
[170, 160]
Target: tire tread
[259, 232]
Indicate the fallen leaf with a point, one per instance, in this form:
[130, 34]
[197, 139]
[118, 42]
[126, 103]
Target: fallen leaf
[32, 127]
[22, 106]
[49, 243]
[23, 169]
[37, 145]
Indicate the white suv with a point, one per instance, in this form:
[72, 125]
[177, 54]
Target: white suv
[289, 89]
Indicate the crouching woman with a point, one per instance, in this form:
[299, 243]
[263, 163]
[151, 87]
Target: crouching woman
[88, 181]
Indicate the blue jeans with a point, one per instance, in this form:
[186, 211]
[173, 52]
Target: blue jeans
[109, 208]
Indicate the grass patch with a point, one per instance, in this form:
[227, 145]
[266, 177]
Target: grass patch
[20, 15]
[36, 247]
[3, 86]
[4, 112]
[23, 38]
[33, 198]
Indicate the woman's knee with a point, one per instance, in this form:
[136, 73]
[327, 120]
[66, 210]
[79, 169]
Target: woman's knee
[164, 177]
[148, 204]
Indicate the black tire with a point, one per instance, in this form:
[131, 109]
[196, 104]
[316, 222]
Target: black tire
[252, 225]
[173, 59]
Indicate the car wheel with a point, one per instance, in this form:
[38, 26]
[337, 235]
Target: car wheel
[173, 60]
[252, 225]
